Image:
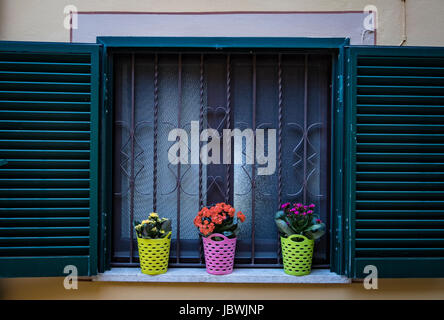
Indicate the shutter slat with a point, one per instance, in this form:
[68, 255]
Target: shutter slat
[399, 214]
[37, 144]
[399, 90]
[400, 71]
[401, 109]
[45, 76]
[43, 231]
[45, 212]
[401, 128]
[44, 115]
[408, 185]
[45, 105]
[43, 241]
[425, 147]
[49, 125]
[44, 221]
[45, 66]
[401, 99]
[35, 86]
[407, 166]
[43, 183]
[401, 176]
[400, 137]
[48, 163]
[44, 250]
[398, 80]
[42, 95]
[50, 134]
[56, 192]
[44, 173]
[400, 118]
[400, 195]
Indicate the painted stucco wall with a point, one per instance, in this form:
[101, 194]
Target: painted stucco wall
[44, 288]
[42, 20]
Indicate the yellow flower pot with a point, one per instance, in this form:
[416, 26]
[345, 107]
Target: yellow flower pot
[154, 254]
[297, 253]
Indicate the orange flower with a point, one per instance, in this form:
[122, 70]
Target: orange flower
[241, 216]
[207, 229]
[197, 221]
[208, 217]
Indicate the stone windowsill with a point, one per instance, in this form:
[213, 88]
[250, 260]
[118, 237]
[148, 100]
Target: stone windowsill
[199, 275]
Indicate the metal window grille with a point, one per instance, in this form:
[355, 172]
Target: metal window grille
[155, 92]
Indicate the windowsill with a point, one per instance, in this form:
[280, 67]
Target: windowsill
[199, 275]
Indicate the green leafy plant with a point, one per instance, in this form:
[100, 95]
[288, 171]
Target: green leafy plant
[153, 227]
[300, 219]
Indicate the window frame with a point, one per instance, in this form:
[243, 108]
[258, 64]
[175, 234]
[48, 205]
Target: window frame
[331, 45]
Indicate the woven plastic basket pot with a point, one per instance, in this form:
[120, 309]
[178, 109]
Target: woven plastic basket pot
[297, 253]
[154, 254]
[219, 255]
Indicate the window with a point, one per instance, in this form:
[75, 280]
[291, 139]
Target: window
[155, 92]
[378, 183]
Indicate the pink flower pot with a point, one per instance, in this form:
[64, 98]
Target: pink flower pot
[219, 255]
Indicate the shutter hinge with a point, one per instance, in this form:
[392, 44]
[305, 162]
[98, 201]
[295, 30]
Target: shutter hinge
[104, 232]
[340, 89]
[105, 94]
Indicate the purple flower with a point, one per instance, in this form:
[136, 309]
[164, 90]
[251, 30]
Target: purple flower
[305, 207]
[285, 205]
[311, 206]
[310, 211]
[304, 213]
[298, 205]
[296, 212]
[293, 209]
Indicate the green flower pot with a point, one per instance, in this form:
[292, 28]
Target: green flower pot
[297, 253]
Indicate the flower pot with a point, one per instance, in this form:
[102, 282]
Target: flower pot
[219, 255]
[154, 254]
[297, 253]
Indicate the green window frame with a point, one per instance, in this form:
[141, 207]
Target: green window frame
[334, 45]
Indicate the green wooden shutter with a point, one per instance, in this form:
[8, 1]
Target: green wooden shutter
[48, 143]
[395, 161]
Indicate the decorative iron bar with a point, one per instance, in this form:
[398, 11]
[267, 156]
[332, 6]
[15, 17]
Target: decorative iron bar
[253, 167]
[279, 164]
[305, 127]
[201, 124]
[228, 125]
[132, 178]
[179, 114]
[219, 184]
[155, 128]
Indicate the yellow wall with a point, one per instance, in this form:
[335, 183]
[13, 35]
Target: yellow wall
[42, 20]
[53, 289]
